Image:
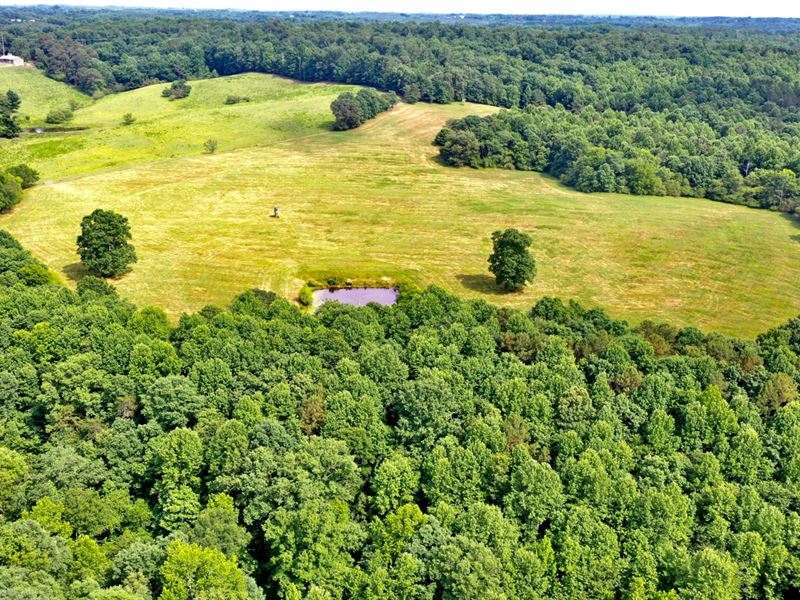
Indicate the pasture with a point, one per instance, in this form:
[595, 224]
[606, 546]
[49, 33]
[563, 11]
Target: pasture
[374, 204]
[39, 94]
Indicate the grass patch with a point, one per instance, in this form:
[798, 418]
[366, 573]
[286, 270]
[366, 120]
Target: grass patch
[39, 93]
[373, 204]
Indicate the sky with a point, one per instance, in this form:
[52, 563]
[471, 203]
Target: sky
[762, 8]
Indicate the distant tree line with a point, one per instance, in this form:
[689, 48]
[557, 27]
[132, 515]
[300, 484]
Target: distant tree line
[648, 108]
[622, 68]
[440, 448]
[351, 110]
[672, 152]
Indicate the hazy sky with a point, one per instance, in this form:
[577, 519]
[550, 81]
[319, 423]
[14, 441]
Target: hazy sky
[763, 8]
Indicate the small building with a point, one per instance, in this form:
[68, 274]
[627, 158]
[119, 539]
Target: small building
[9, 60]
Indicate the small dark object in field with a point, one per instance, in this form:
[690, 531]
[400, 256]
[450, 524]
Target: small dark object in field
[275, 214]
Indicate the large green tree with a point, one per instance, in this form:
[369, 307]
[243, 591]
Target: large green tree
[511, 262]
[104, 245]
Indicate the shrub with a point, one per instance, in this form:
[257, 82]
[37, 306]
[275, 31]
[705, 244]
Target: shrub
[59, 115]
[306, 296]
[210, 145]
[179, 89]
[236, 99]
[128, 119]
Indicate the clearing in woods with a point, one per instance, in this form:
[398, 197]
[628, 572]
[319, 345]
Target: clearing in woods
[374, 203]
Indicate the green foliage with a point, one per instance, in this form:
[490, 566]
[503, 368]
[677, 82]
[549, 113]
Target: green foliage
[11, 102]
[347, 111]
[95, 285]
[59, 116]
[28, 176]
[191, 571]
[437, 448]
[646, 153]
[511, 262]
[10, 191]
[352, 110]
[459, 148]
[128, 119]
[306, 295]
[9, 105]
[232, 99]
[210, 145]
[103, 243]
[177, 90]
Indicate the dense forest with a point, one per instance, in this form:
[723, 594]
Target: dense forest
[437, 449]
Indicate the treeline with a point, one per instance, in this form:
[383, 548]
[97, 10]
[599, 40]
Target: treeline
[673, 152]
[441, 448]
[676, 110]
[352, 110]
[622, 68]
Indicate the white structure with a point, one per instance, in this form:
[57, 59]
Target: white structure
[9, 60]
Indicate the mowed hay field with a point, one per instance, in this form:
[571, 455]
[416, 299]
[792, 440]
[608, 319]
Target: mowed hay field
[374, 203]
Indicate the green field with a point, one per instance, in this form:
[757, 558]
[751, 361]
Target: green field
[374, 203]
[39, 94]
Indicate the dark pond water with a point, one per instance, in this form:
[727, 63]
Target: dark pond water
[356, 296]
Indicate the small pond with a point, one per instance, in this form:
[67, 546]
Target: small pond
[357, 296]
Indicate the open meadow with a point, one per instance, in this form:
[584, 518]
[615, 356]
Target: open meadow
[39, 94]
[374, 203]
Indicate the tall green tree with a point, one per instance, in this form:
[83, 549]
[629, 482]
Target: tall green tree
[104, 245]
[511, 262]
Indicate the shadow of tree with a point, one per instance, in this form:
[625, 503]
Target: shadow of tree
[481, 283]
[75, 271]
[795, 221]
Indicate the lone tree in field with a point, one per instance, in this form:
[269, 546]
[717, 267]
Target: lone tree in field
[511, 262]
[103, 243]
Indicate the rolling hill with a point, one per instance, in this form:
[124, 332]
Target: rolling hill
[375, 204]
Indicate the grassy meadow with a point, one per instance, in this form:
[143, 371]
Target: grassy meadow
[39, 94]
[374, 203]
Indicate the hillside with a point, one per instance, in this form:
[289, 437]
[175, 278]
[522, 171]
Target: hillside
[374, 203]
[278, 108]
[39, 93]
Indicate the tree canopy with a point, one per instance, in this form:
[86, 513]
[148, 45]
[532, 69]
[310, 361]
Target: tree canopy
[352, 110]
[511, 262]
[438, 448]
[9, 105]
[104, 245]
